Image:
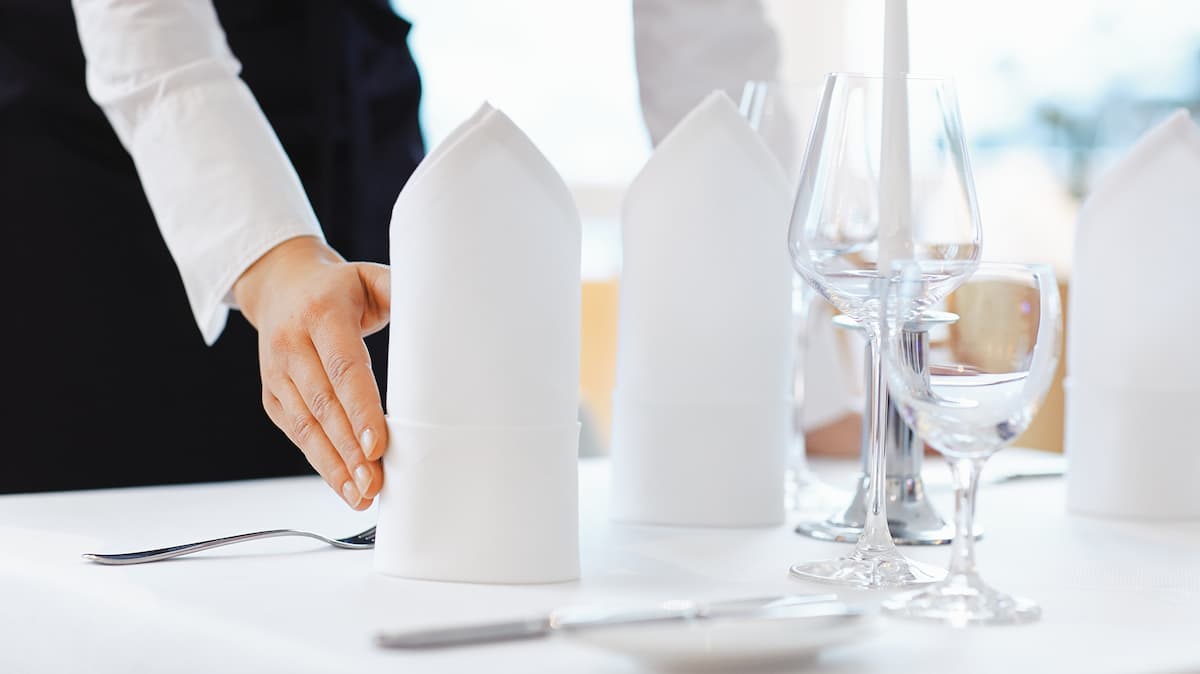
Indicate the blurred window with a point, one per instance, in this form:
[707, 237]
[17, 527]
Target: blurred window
[563, 71]
[1051, 94]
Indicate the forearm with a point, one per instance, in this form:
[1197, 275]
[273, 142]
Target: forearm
[220, 185]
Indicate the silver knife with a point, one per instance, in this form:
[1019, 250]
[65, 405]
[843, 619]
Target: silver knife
[579, 619]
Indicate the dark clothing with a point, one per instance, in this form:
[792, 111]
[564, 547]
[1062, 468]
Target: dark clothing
[110, 382]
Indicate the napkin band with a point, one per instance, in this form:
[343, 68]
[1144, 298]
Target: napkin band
[1131, 453]
[690, 464]
[479, 505]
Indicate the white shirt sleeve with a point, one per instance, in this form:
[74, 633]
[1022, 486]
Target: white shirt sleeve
[219, 183]
[684, 50]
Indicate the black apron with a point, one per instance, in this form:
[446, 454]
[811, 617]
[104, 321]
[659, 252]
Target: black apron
[108, 380]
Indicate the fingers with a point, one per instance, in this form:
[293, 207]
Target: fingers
[286, 408]
[346, 366]
[376, 280]
[317, 374]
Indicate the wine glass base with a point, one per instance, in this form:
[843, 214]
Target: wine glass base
[903, 533]
[911, 517]
[868, 570]
[962, 601]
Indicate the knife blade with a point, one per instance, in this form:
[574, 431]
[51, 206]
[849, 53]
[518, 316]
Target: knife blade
[577, 619]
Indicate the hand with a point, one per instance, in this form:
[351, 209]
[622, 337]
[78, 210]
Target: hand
[312, 309]
[839, 438]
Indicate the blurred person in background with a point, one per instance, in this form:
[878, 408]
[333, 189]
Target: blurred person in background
[165, 161]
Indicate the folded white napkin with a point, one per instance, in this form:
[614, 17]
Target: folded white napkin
[702, 406]
[480, 477]
[1133, 368]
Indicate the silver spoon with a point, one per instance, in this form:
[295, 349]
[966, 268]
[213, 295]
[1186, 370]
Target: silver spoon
[361, 541]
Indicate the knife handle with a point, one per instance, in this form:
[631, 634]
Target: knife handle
[585, 618]
[442, 637]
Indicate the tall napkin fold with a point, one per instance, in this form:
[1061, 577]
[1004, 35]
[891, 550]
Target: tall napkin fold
[1133, 368]
[702, 405]
[480, 476]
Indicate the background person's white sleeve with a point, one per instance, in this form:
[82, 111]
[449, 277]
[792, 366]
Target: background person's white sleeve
[685, 49]
[221, 187]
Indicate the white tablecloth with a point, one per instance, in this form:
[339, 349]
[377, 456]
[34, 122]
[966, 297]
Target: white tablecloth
[1116, 596]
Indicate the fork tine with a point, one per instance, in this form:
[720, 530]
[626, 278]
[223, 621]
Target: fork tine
[366, 537]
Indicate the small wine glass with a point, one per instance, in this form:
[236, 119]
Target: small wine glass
[885, 176]
[972, 394]
[781, 112]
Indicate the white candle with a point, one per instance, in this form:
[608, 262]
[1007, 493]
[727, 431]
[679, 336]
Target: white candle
[895, 181]
[895, 37]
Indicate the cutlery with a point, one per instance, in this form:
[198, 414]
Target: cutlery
[360, 541]
[1018, 469]
[820, 605]
[1026, 475]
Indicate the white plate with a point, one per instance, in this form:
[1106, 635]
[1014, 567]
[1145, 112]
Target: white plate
[727, 643]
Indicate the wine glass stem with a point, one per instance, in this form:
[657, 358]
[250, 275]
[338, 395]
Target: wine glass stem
[876, 536]
[966, 484]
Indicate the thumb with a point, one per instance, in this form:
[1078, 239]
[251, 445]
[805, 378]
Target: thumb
[376, 282]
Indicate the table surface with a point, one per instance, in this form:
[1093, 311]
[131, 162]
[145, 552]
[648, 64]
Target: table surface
[1117, 596]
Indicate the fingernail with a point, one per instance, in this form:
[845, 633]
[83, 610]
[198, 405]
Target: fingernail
[350, 493]
[367, 440]
[362, 477]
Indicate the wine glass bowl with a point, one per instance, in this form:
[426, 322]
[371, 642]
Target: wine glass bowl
[844, 221]
[974, 391]
[885, 176]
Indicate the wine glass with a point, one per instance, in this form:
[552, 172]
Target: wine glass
[972, 394]
[885, 176]
[781, 112]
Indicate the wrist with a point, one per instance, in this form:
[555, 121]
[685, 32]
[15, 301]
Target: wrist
[287, 260]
